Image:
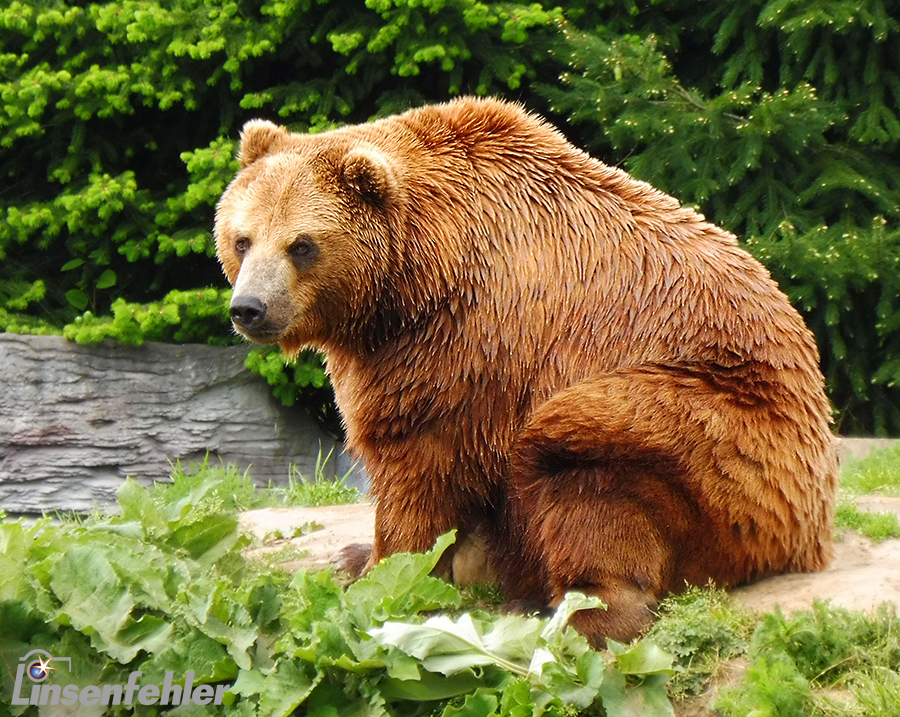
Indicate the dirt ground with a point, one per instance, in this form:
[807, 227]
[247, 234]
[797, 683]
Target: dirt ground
[340, 526]
[861, 576]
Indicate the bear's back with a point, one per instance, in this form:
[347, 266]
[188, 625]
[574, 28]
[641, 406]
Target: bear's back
[590, 262]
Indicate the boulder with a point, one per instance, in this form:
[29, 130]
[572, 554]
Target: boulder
[76, 420]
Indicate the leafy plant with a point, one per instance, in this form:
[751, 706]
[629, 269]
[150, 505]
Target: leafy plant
[555, 662]
[163, 586]
[181, 316]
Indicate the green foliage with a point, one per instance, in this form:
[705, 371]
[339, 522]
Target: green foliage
[222, 485]
[163, 586]
[879, 694]
[181, 316]
[796, 658]
[119, 121]
[301, 381]
[827, 642]
[703, 629]
[128, 112]
[755, 112]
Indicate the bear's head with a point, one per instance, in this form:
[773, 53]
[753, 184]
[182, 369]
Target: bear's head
[304, 233]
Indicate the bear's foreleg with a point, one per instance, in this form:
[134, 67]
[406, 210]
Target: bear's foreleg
[410, 519]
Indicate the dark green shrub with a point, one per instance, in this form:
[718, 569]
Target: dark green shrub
[118, 127]
[780, 121]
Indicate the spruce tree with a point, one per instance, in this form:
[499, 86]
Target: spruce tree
[779, 120]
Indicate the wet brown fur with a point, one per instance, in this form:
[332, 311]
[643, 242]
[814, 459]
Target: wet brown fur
[529, 344]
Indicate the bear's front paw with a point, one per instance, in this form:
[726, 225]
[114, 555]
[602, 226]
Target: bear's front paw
[526, 608]
[353, 559]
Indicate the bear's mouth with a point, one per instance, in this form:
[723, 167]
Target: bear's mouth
[259, 337]
[266, 333]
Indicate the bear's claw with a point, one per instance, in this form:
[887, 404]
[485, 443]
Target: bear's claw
[353, 559]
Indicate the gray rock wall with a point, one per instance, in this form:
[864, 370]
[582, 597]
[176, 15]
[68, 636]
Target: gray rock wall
[76, 420]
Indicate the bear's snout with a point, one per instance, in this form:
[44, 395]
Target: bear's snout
[248, 312]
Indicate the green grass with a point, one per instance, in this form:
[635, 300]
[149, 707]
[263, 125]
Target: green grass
[235, 490]
[875, 526]
[321, 490]
[482, 596]
[877, 473]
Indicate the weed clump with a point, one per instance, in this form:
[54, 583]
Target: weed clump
[703, 629]
[823, 662]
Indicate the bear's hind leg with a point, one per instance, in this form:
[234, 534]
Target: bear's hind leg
[596, 531]
[601, 483]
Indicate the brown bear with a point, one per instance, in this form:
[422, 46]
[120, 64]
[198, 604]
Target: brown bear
[538, 350]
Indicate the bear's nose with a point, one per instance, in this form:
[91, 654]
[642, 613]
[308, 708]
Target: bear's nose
[248, 312]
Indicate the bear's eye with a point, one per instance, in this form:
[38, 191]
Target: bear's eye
[241, 246]
[301, 247]
[304, 251]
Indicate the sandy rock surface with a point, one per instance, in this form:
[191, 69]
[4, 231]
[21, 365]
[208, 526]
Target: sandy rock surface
[332, 527]
[861, 576]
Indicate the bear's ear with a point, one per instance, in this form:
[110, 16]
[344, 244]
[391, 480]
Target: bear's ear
[258, 137]
[367, 173]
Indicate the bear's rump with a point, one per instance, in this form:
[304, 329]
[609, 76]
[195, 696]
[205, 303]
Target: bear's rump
[723, 486]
